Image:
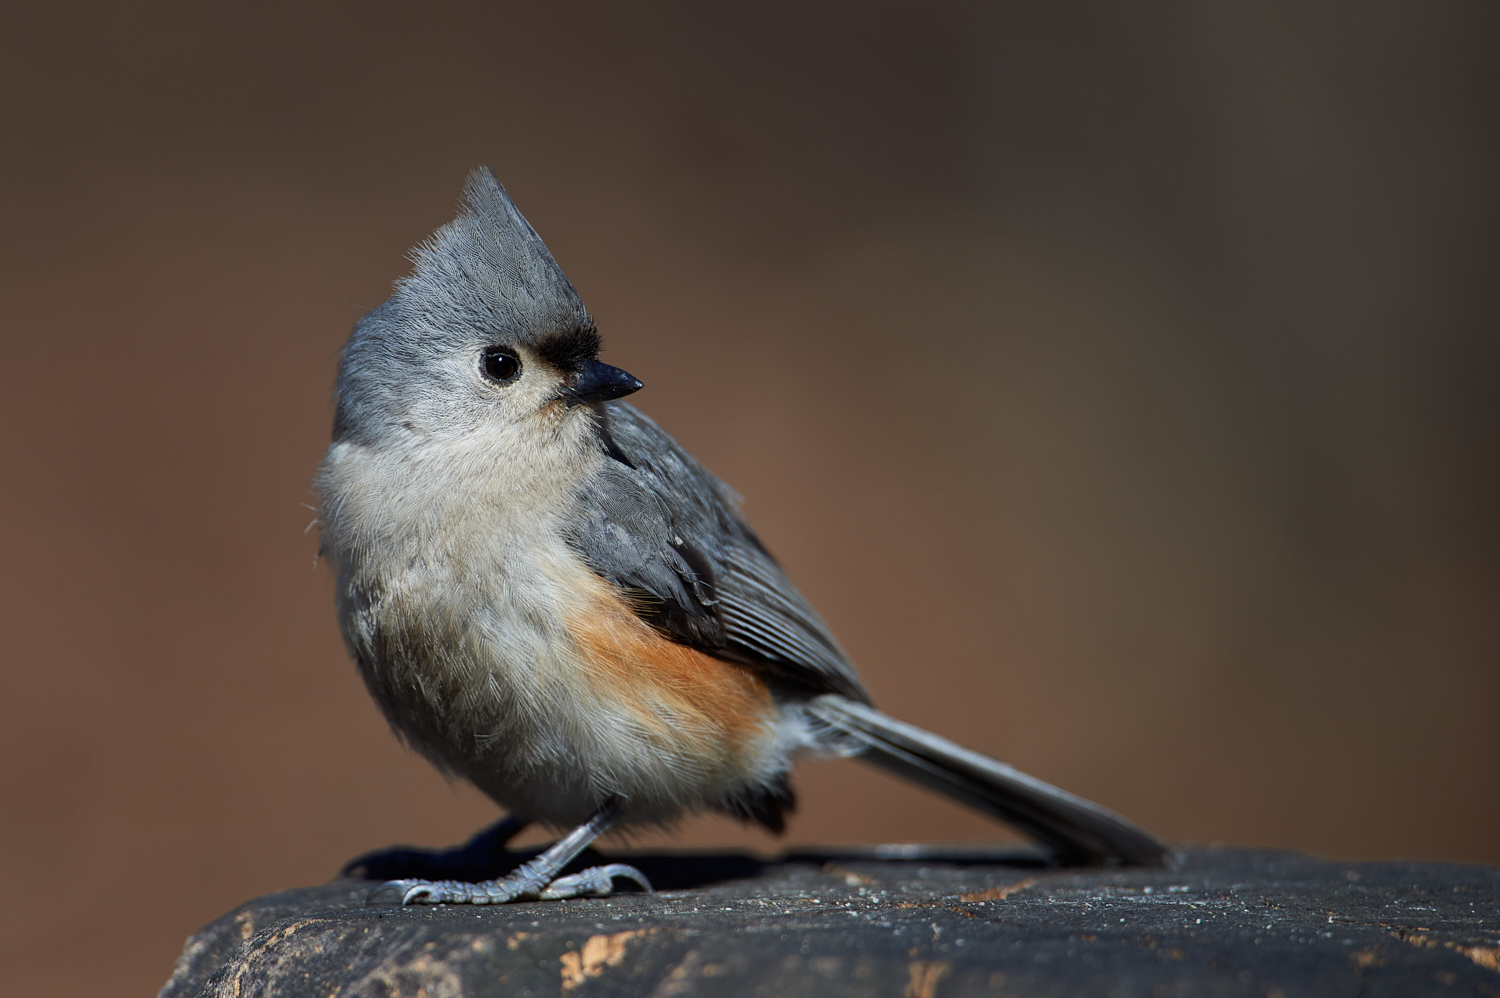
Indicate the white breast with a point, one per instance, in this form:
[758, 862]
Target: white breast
[455, 589]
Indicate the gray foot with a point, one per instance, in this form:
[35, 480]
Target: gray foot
[535, 879]
[597, 881]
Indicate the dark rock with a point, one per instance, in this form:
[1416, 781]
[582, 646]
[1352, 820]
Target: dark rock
[928, 923]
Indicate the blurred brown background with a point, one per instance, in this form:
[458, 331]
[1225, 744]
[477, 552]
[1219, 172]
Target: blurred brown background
[1120, 379]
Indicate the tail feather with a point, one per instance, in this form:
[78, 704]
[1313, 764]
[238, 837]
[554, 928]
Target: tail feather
[1076, 831]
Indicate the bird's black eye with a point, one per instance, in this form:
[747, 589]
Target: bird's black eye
[499, 364]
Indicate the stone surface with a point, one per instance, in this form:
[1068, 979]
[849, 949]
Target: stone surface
[923, 924]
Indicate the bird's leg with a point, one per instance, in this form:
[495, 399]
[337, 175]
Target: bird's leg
[535, 878]
[482, 857]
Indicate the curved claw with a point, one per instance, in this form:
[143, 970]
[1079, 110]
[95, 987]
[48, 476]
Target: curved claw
[391, 892]
[629, 873]
[406, 892]
[597, 881]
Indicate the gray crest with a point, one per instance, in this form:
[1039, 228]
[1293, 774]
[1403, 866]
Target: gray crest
[490, 268]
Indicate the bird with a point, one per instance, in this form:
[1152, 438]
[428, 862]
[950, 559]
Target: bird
[548, 597]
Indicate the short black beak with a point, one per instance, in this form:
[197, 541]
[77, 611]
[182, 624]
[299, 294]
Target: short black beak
[596, 382]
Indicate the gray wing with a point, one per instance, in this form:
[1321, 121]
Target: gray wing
[653, 521]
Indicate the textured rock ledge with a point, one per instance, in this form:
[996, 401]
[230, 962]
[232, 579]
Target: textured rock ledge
[924, 923]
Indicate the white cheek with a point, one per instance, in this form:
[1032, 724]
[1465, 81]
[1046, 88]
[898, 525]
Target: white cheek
[532, 394]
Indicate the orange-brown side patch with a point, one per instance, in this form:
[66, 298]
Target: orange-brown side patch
[634, 665]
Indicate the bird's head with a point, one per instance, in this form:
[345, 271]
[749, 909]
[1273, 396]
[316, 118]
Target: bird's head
[486, 333]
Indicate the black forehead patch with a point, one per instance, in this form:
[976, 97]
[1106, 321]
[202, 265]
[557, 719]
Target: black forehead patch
[567, 349]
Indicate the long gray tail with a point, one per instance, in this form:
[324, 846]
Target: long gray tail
[1076, 831]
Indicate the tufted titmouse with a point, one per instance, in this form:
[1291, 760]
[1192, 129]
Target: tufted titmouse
[550, 598]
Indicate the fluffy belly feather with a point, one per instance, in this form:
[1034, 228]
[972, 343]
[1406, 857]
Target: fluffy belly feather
[556, 698]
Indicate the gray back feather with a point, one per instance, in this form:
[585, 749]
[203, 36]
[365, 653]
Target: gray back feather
[655, 522]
